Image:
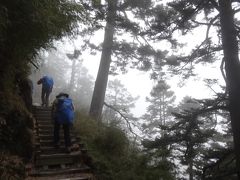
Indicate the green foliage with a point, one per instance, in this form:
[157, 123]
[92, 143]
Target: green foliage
[43, 20]
[16, 126]
[192, 132]
[11, 167]
[28, 26]
[114, 156]
[111, 141]
[86, 127]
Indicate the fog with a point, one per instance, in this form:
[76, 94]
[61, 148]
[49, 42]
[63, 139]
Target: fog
[69, 76]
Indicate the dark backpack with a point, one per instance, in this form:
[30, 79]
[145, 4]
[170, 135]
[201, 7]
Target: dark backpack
[64, 111]
[47, 82]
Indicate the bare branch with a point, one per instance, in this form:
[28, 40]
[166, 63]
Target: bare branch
[124, 117]
[237, 10]
[222, 70]
[210, 24]
[204, 23]
[34, 64]
[222, 67]
[210, 87]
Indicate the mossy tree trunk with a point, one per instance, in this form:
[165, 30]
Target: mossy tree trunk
[232, 68]
[103, 71]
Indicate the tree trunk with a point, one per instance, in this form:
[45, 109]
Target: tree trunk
[73, 74]
[232, 68]
[190, 170]
[102, 76]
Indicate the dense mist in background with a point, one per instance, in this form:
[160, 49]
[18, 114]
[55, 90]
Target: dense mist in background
[56, 63]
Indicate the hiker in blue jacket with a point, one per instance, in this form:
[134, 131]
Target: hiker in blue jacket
[47, 85]
[63, 114]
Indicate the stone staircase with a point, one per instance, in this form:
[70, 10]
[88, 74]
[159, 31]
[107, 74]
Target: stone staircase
[54, 163]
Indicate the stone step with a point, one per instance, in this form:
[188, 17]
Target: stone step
[42, 126]
[49, 142]
[48, 122]
[45, 131]
[64, 177]
[47, 126]
[77, 178]
[50, 136]
[42, 113]
[61, 149]
[36, 112]
[58, 171]
[52, 150]
[40, 108]
[43, 118]
[56, 159]
[49, 131]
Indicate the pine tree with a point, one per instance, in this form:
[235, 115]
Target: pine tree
[218, 18]
[192, 131]
[159, 111]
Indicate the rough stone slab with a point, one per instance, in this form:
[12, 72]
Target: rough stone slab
[75, 176]
[55, 159]
[43, 126]
[66, 172]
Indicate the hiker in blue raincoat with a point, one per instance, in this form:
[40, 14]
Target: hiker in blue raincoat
[63, 114]
[47, 85]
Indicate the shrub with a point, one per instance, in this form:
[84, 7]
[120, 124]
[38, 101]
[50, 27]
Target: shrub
[15, 127]
[113, 155]
[11, 167]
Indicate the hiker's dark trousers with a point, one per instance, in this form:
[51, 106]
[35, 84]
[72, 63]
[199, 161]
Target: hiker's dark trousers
[45, 96]
[66, 130]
